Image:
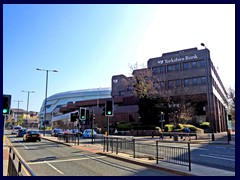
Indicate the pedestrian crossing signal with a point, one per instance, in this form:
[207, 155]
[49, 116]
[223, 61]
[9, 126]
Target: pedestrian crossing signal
[109, 108]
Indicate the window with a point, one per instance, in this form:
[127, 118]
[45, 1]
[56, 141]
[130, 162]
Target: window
[194, 64]
[202, 63]
[48, 106]
[170, 84]
[194, 81]
[187, 82]
[186, 66]
[121, 93]
[160, 69]
[203, 80]
[178, 82]
[174, 67]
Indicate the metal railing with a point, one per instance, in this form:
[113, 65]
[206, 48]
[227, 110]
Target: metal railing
[179, 153]
[170, 152]
[16, 164]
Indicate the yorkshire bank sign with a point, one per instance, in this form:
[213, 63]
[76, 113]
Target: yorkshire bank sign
[177, 59]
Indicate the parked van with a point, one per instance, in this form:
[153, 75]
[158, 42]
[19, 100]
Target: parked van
[15, 129]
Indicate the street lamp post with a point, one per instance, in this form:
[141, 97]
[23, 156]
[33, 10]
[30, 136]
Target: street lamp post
[18, 109]
[208, 91]
[45, 106]
[28, 101]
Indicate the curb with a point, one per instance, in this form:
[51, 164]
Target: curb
[147, 165]
[57, 141]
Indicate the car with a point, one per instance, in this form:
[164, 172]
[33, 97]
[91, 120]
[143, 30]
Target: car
[67, 131]
[88, 133]
[21, 132]
[56, 132]
[32, 135]
[76, 131]
[15, 129]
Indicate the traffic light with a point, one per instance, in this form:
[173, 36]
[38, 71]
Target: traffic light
[83, 114]
[103, 112]
[74, 116]
[109, 108]
[6, 104]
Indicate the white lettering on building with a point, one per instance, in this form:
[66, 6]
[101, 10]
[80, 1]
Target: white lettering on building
[177, 59]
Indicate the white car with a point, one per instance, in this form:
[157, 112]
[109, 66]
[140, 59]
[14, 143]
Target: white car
[88, 133]
[15, 129]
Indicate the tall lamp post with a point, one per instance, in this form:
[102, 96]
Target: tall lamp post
[45, 106]
[28, 101]
[208, 66]
[18, 109]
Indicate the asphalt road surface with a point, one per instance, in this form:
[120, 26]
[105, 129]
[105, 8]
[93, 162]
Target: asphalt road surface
[47, 158]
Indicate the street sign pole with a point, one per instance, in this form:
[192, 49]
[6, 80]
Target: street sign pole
[108, 125]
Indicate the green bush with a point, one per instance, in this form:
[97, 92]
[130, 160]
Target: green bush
[168, 127]
[204, 125]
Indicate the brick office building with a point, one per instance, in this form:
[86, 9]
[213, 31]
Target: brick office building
[191, 69]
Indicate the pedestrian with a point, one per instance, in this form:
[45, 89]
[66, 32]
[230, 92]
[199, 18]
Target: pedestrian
[187, 131]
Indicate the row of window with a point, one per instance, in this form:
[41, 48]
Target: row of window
[176, 67]
[177, 82]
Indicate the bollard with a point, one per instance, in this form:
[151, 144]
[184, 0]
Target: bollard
[229, 137]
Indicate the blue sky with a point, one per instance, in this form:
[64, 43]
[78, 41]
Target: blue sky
[88, 44]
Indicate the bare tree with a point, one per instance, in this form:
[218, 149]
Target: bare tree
[155, 95]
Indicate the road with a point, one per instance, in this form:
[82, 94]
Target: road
[211, 155]
[47, 158]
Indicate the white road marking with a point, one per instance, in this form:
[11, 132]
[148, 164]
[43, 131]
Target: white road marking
[204, 149]
[113, 164]
[217, 157]
[66, 160]
[54, 167]
[222, 155]
[21, 143]
[220, 147]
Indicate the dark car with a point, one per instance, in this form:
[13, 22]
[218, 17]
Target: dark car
[55, 132]
[32, 135]
[21, 132]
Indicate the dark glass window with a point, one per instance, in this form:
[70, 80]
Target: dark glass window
[177, 67]
[178, 82]
[202, 63]
[203, 80]
[48, 106]
[187, 82]
[121, 93]
[170, 84]
[186, 65]
[194, 81]
[174, 67]
[194, 64]
[160, 69]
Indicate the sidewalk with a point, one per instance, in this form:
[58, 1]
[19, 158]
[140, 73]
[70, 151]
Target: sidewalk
[197, 170]
[5, 157]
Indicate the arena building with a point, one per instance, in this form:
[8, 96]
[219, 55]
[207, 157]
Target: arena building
[56, 101]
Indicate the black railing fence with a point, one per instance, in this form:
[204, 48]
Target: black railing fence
[170, 152]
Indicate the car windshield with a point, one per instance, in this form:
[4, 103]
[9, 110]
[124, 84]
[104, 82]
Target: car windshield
[58, 130]
[33, 132]
[17, 128]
